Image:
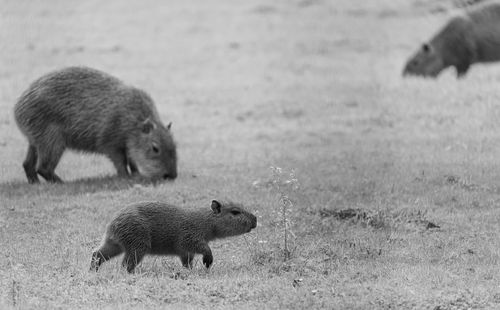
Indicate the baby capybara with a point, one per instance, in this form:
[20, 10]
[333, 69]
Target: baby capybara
[88, 110]
[162, 229]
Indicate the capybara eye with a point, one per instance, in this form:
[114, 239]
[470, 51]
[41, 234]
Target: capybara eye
[426, 48]
[235, 212]
[155, 149]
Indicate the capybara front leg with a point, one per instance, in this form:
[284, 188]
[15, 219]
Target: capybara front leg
[207, 254]
[119, 160]
[133, 257]
[133, 166]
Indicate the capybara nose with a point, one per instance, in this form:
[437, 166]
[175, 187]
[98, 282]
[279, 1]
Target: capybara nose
[254, 222]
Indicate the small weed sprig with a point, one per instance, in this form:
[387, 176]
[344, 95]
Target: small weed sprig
[14, 292]
[284, 183]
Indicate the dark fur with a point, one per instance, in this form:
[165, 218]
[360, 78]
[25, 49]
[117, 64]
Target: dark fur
[88, 110]
[161, 229]
[465, 40]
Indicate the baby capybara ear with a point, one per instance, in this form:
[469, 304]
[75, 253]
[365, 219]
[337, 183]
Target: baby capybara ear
[216, 206]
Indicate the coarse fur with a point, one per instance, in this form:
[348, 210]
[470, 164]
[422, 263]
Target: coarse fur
[161, 229]
[473, 37]
[88, 110]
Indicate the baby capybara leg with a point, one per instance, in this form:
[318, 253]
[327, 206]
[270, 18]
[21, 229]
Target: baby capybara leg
[29, 164]
[107, 251]
[187, 260]
[205, 250]
[134, 255]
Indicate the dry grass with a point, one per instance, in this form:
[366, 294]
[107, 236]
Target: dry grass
[309, 85]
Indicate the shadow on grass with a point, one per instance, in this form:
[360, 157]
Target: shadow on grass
[81, 186]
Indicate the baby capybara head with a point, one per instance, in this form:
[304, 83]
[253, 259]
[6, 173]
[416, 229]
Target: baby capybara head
[232, 219]
[153, 151]
[425, 62]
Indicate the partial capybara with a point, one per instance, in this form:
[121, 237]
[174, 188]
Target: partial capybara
[473, 37]
[161, 229]
[88, 110]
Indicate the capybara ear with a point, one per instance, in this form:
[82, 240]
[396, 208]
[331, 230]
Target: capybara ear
[148, 126]
[169, 126]
[216, 206]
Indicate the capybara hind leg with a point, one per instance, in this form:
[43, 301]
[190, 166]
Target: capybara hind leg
[187, 260]
[29, 165]
[119, 160]
[48, 158]
[107, 251]
[134, 256]
[50, 150]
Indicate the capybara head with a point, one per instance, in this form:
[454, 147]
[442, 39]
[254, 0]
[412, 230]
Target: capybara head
[425, 62]
[232, 219]
[153, 150]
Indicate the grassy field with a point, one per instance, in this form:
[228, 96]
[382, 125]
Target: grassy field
[312, 86]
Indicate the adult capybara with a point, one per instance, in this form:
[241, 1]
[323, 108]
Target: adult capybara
[162, 229]
[473, 37]
[88, 110]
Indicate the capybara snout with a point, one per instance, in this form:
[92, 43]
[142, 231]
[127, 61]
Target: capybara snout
[254, 222]
[88, 110]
